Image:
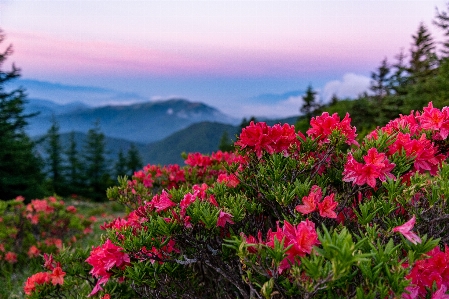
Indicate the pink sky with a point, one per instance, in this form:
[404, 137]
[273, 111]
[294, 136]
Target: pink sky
[101, 42]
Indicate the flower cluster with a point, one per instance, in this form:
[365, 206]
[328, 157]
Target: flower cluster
[260, 137]
[376, 166]
[103, 259]
[313, 200]
[429, 271]
[323, 126]
[298, 239]
[55, 276]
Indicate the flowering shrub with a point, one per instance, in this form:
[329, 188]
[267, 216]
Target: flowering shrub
[41, 226]
[287, 215]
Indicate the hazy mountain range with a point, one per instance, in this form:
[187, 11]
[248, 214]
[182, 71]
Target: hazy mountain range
[143, 122]
[161, 130]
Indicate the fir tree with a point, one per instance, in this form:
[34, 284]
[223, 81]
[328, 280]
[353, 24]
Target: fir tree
[310, 102]
[133, 160]
[73, 167]
[442, 22]
[54, 157]
[226, 144]
[121, 164]
[20, 167]
[398, 79]
[245, 122]
[380, 81]
[96, 167]
[423, 58]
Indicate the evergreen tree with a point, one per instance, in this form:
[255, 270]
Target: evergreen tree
[54, 157]
[245, 122]
[310, 102]
[73, 174]
[398, 79]
[121, 164]
[133, 160]
[442, 22]
[423, 58]
[20, 167]
[334, 100]
[95, 165]
[226, 144]
[380, 81]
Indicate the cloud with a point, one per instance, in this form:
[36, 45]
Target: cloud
[286, 108]
[349, 87]
[90, 95]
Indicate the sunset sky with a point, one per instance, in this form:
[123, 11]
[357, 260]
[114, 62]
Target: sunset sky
[242, 57]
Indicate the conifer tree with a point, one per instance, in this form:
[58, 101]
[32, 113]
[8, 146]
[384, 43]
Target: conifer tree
[96, 167]
[73, 174]
[225, 144]
[423, 58]
[54, 157]
[442, 22]
[398, 79]
[310, 102]
[380, 81]
[133, 160]
[245, 122]
[20, 167]
[121, 164]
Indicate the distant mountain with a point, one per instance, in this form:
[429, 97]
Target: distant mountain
[49, 108]
[143, 122]
[203, 137]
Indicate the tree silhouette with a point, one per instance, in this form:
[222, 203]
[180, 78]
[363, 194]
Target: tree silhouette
[20, 168]
[310, 102]
[380, 81]
[54, 158]
[133, 160]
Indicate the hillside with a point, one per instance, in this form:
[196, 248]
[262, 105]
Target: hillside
[145, 122]
[201, 137]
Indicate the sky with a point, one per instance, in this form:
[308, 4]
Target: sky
[243, 57]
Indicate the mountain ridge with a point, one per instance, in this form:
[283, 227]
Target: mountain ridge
[140, 122]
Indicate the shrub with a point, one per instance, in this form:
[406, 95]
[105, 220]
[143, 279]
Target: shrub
[288, 215]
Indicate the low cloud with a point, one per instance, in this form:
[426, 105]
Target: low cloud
[286, 108]
[350, 86]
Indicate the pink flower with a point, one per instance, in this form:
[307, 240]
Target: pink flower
[323, 126]
[327, 207]
[310, 201]
[48, 262]
[440, 293]
[36, 279]
[71, 209]
[57, 276]
[412, 292]
[103, 258]
[11, 257]
[376, 166]
[301, 238]
[255, 136]
[405, 230]
[230, 180]
[162, 202]
[224, 218]
[33, 251]
[434, 119]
